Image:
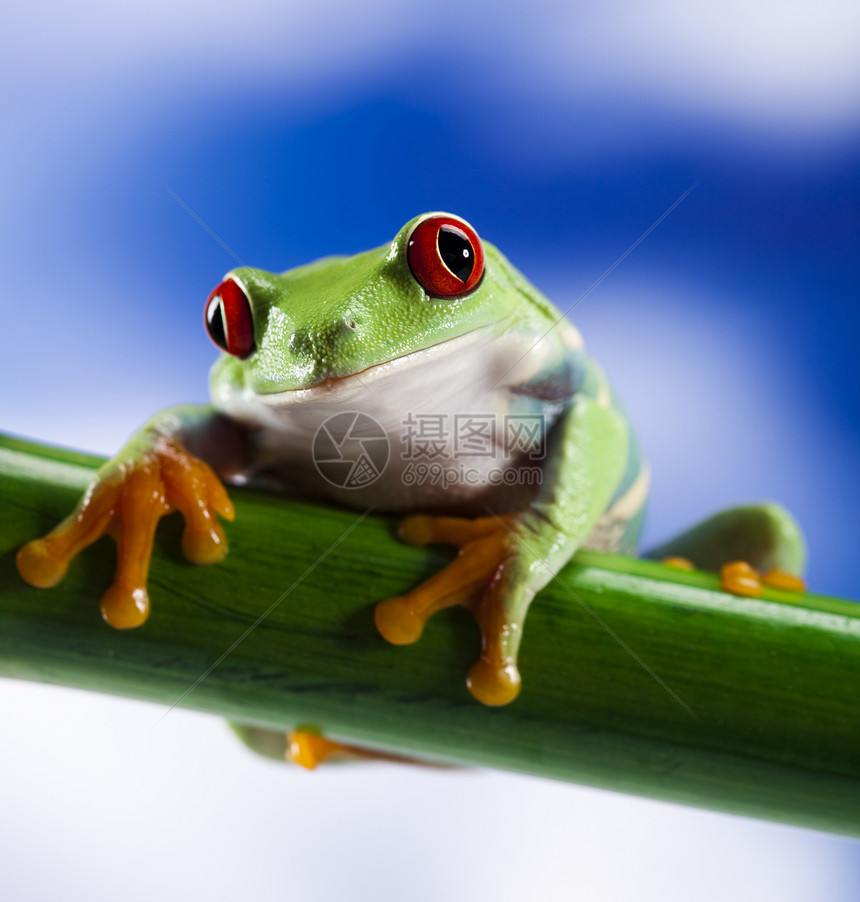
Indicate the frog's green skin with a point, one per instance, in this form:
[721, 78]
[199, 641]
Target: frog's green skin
[360, 334]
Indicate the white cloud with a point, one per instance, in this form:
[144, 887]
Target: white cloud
[766, 63]
[778, 61]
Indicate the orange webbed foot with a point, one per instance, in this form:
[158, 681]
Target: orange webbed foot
[472, 579]
[780, 579]
[127, 499]
[739, 578]
[310, 749]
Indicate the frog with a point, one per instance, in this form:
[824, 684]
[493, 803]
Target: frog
[435, 327]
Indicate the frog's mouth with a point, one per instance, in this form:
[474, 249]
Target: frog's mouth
[458, 357]
[464, 373]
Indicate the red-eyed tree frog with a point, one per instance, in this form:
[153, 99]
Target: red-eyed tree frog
[426, 378]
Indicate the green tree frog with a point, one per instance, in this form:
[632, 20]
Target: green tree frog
[492, 430]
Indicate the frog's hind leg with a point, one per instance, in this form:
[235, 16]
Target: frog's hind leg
[766, 536]
[763, 536]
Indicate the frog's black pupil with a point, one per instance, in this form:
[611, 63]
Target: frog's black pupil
[456, 252]
[215, 322]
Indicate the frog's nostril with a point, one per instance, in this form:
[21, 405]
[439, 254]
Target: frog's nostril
[349, 322]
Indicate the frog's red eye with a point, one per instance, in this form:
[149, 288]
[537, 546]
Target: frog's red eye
[445, 256]
[229, 321]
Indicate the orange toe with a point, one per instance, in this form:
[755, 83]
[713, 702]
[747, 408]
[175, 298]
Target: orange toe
[739, 578]
[397, 621]
[39, 565]
[308, 749]
[204, 546]
[779, 579]
[493, 684]
[124, 608]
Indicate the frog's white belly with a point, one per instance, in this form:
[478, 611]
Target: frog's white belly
[457, 437]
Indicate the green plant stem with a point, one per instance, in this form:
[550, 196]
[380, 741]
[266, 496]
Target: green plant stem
[637, 678]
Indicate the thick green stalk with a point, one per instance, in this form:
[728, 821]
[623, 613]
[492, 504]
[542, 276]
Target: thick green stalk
[636, 677]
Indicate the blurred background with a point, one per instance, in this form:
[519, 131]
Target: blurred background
[141, 145]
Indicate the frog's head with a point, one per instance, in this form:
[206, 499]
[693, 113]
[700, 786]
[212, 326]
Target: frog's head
[436, 281]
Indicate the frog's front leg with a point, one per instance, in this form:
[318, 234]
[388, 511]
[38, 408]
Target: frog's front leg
[154, 474]
[504, 560]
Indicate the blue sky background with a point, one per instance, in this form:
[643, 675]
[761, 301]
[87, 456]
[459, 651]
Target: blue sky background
[562, 134]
